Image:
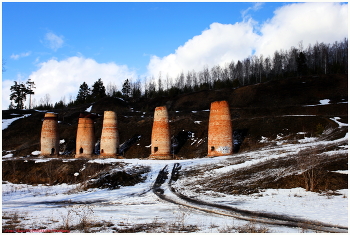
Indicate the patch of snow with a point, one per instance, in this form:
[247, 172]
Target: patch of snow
[197, 122]
[104, 160]
[62, 141]
[308, 140]
[325, 101]
[302, 133]
[342, 172]
[8, 155]
[69, 160]
[37, 152]
[322, 102]
[43, 160]
[89, 109]
[279, 136]
[7, 122]
[335, 119]
[194, 111]
[263, 139]
[76, 173]
[82, 168]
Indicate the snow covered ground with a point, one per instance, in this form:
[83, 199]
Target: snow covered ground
[55, 207]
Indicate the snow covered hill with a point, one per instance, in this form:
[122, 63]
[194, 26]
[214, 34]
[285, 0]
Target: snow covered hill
[136, 208]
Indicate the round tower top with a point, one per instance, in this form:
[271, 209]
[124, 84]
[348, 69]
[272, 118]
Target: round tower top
[50, 115]
[110, 114]
[161, 112]
[219, 104]
[85, 121]
[161, 108]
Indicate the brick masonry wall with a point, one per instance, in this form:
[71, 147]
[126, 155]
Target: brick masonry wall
[220, 129]
[109, 135]
[49, 141]
[160, 148]
[85, 141]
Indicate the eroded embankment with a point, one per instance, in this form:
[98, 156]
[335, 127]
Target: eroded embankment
[59, 171]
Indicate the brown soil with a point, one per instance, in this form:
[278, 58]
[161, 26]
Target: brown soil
[58, 171]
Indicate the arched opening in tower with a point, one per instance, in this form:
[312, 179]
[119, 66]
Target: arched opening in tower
[101, 151]
[81, 150]
[155, 149]
[52, 151]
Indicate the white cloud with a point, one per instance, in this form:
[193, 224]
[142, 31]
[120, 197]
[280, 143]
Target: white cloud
[222, 43]
[255, 7]
[307, 22]
[53, 41]
[17, 56]
[63, 78]
[219, 44]
[6, 84]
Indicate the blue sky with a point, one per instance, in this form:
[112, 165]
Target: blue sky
[61, 45]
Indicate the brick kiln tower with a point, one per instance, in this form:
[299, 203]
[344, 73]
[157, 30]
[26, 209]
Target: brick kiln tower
[220, 130]
[110, 137]
[160, 135]
[49, 140]
[85, 142]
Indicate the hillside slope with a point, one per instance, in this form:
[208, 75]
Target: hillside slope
[289, 172]
[281, 108]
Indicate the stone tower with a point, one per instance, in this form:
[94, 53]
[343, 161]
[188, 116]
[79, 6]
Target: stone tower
[160, 143]
[220, 130]
[85, 142]
[49, 140]
[109, 146]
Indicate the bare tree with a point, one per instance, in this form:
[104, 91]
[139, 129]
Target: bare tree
[46, 100]
[160, 85]
[111, 89]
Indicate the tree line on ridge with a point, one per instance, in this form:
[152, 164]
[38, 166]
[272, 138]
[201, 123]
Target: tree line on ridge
[320, 58]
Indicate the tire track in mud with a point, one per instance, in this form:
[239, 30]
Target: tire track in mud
[223, 210]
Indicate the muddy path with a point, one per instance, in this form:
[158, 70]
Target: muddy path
[164, 182]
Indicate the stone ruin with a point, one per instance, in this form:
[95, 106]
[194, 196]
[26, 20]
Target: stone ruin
[220, 140]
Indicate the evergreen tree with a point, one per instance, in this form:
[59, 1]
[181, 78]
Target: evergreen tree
[98, 90]
[18, 95]
[126, 88]
[84, 94]
[301, 64]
